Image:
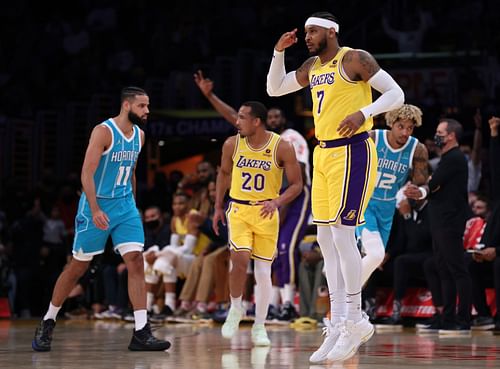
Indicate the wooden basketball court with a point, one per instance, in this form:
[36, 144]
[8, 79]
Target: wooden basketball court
[102, 344]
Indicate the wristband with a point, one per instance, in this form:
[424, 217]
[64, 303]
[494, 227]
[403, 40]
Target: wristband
[423, 191]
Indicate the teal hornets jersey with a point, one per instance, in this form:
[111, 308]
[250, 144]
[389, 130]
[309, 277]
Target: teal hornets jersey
[113, 175]
[393, 167]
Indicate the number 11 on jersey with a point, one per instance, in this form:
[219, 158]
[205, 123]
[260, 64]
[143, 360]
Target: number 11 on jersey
[122, 177]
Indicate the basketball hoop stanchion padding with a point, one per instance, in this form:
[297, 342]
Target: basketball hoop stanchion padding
[4, 308]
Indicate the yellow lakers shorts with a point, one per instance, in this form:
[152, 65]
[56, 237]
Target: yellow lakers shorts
[344, 176]
[249, 232]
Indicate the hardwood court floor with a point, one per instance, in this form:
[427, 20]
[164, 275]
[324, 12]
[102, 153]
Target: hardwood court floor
[103, 345]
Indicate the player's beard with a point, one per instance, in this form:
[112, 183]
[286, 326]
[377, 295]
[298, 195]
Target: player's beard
[321, 47]
[135, 119]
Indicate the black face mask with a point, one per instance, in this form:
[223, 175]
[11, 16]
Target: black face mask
[439, 141]
[152, 224]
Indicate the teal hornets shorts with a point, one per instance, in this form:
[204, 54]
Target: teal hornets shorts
[125, 226]
[378, 218]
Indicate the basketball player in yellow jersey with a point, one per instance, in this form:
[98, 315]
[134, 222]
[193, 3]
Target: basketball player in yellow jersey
[252, 167]
[345, 163]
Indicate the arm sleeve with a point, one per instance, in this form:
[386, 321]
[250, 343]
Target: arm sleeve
[278, 81]
[392, 95]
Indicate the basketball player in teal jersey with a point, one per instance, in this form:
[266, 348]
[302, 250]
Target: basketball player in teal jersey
[107, 208]
[399, 156]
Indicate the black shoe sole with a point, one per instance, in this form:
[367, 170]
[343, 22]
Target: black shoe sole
[149, 348]
[37, 348]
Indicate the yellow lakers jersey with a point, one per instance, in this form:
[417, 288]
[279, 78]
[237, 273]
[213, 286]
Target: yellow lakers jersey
[334, 97]
[181, 229]
[257, 174]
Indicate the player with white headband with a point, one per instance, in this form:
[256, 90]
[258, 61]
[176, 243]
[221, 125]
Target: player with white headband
[345, 163]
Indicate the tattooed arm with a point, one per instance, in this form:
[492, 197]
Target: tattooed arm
[420, 170]
[302, 73]
[361, 66]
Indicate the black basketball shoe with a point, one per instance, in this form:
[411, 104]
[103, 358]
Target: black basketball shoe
[143, 340]
[43, 335]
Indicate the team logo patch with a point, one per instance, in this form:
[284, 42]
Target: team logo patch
[80, 222]
[351, 215]
[268, 151]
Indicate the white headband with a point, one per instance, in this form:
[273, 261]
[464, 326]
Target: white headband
[321, 22]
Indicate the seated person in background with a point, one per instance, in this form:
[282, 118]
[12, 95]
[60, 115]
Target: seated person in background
[412, 247]
[156, 236]
[312, 280]
[199, 284]
[176, 258]
[489, 256]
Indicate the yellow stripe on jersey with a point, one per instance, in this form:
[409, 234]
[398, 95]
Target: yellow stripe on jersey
[256, 174]
[335, 97]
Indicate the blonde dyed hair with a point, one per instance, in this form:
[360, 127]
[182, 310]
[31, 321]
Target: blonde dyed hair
[407, 111]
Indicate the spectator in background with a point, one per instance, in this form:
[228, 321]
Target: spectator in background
[157, 232]
[200, 200]
[448, 208]
[312, 280]
[489, 257]
[200, 283]
[175, 259]
[26, 235]
[412, 247]
[52, 253]
[473, 155]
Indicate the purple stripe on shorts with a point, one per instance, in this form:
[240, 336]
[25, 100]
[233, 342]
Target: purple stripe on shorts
[360, 159]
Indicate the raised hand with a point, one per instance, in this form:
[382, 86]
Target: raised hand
[287, 39]
[494, 123]
[206, 85]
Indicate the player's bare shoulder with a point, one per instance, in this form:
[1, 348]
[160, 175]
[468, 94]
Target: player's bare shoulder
[359, 65]
[230, 145]
[285, 151]
[102, 135]
[142, 136]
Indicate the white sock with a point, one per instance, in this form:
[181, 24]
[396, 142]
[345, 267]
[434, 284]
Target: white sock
[287, 293]
[263, 290]
[333, 272]
[170, 300]
[141, 318]
[338, 306]
[275, 296]
[52, 312]
[236, 303]
[350, 263]
[354, 307]
[375, 252]
[150, 296]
